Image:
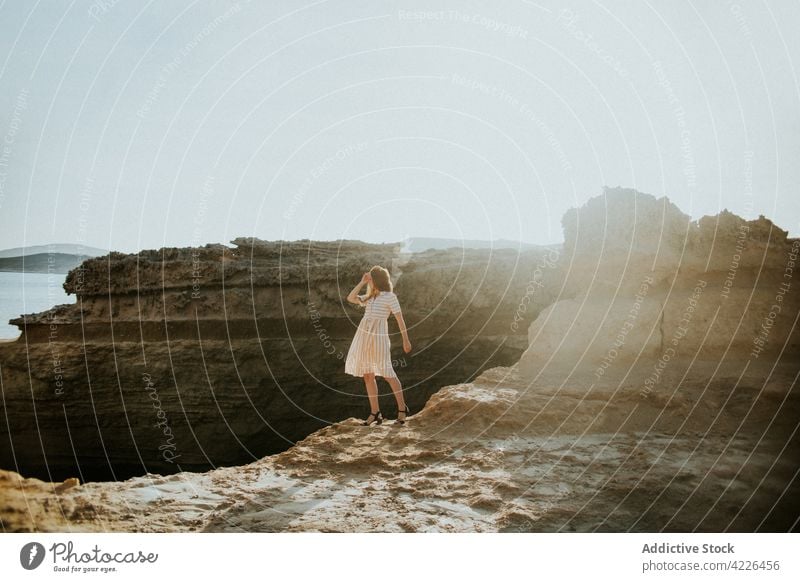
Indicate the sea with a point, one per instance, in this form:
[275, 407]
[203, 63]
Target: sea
[28, 293]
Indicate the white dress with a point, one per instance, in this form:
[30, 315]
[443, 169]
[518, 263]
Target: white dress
[370, 350]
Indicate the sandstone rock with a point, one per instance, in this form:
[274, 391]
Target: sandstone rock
[646, 282]
[188, 359]
[67, 484]
[704, 439]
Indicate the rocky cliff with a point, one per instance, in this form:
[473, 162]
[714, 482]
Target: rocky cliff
[658, 393]
[188, 359]
[649, 283]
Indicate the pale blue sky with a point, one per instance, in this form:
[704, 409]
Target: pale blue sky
[130, 125]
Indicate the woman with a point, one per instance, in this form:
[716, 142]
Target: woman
[369, 354]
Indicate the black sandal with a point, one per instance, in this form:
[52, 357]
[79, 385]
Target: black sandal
[399, 412]
[375, 417]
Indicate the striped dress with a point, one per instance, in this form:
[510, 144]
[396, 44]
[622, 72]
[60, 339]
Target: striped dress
[369, 352]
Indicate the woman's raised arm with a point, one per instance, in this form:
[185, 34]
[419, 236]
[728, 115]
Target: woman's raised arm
[353, 295]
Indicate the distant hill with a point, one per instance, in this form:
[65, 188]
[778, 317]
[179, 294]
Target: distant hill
[56, 258]
[66, 249]
[421, 244]
[41, 263]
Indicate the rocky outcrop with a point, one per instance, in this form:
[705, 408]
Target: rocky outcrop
[502, 453]
[646, 401]
[188, 359]
[648, 283]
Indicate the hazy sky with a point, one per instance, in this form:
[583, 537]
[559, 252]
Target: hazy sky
[130, 125]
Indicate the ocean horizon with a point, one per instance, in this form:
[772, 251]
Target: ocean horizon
[25, 293]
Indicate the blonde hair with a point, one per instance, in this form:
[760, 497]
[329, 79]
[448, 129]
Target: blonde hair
[381, 281]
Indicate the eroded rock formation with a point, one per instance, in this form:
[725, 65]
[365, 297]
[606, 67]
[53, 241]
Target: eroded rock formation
[649, 283]
[188, 359]
[572, 437]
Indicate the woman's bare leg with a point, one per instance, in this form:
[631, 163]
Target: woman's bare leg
[372, 391]
[397, 390]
